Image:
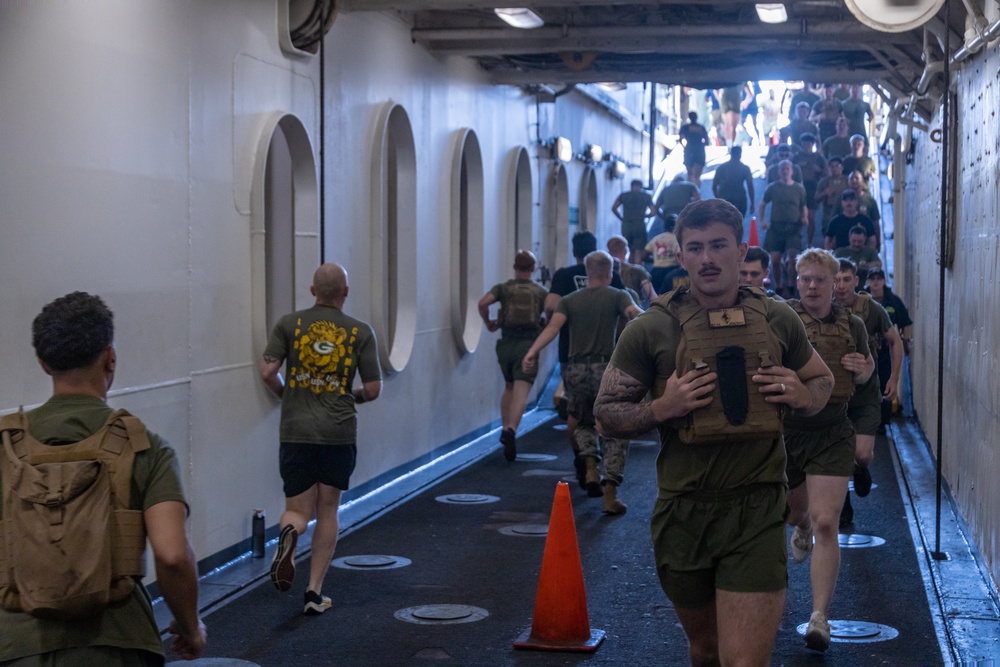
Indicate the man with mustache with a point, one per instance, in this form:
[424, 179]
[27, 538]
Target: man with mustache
[719, 521]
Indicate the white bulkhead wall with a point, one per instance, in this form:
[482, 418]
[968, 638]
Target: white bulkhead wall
[971, 377]
[130, 138]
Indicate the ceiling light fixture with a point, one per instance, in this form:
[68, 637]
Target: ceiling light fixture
[520, 17]
[612, 86]
[771, 12]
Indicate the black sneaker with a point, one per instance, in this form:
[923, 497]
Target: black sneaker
[283, 565]
[862, 481]
[315, 604]
[847, 513]
[509, 440]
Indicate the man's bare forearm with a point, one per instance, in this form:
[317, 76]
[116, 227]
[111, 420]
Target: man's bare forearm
[819, 389]
[619, 408]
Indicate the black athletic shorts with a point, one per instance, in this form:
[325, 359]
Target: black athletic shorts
[303, 464]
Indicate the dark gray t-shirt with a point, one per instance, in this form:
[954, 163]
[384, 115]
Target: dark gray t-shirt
[323, 350]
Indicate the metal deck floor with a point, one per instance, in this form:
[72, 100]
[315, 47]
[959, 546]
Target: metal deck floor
[945, 612]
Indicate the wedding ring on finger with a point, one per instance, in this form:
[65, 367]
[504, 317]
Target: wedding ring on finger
[782, 387]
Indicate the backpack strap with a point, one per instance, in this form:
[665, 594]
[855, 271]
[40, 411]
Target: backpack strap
[12, 430]
[10, 461]
[125, 436]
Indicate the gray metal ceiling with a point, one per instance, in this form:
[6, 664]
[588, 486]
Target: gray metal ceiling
[699, 44]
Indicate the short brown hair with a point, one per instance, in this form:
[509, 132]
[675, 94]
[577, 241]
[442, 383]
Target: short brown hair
[524, 260]
[617, 243]
[701, 214]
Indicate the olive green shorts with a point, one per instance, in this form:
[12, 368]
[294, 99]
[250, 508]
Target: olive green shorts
[783, 237]
[866, 417]
[734, 543]
[826, 452]
[510, 354]
[865, 407]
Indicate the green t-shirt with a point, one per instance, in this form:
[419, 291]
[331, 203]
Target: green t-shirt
[857, 112]
[323, 350]
[647, 351]
[836, 413]
[787, 202]
[592, 316]
[129, 623]
[635, 204]
[500, 294]
[862, 258]
[633, 275]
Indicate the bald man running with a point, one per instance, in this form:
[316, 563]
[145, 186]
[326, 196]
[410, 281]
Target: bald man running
[324, 350]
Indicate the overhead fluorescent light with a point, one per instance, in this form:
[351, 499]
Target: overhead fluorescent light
[771, 12]
[520, 17]
[612, 86]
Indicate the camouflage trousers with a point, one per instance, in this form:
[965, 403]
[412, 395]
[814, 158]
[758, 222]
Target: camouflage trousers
[582, 383]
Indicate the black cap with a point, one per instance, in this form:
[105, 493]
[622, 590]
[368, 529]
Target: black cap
[876, 272]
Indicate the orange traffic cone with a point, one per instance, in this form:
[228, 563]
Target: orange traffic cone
[754, 240]
[560, 622]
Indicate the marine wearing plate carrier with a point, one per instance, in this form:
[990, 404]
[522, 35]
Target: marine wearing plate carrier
[733, 342]
[860, 307]
[521, 306]
[832, 341]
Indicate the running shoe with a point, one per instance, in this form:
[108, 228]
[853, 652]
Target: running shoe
[509, 440]
[818, 632]
[862, 481]
[315, 604]
[801, 543]
[283, 565]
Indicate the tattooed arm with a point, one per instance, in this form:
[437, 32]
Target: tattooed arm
[270, 373]
[621, 412]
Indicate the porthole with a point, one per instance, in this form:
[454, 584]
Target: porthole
[284, 222]
[394, 238]
[521, 202]
[467, 215]
[588, 201]
[555, 222]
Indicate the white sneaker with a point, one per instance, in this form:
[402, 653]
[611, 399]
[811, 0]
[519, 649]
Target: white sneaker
[818, 632]
[801, 543]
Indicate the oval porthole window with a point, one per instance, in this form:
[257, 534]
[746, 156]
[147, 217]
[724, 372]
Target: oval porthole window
[555, 223]
[521, 201]
[285, 222]
[588, 201]
[467, 215]
[394, 238]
